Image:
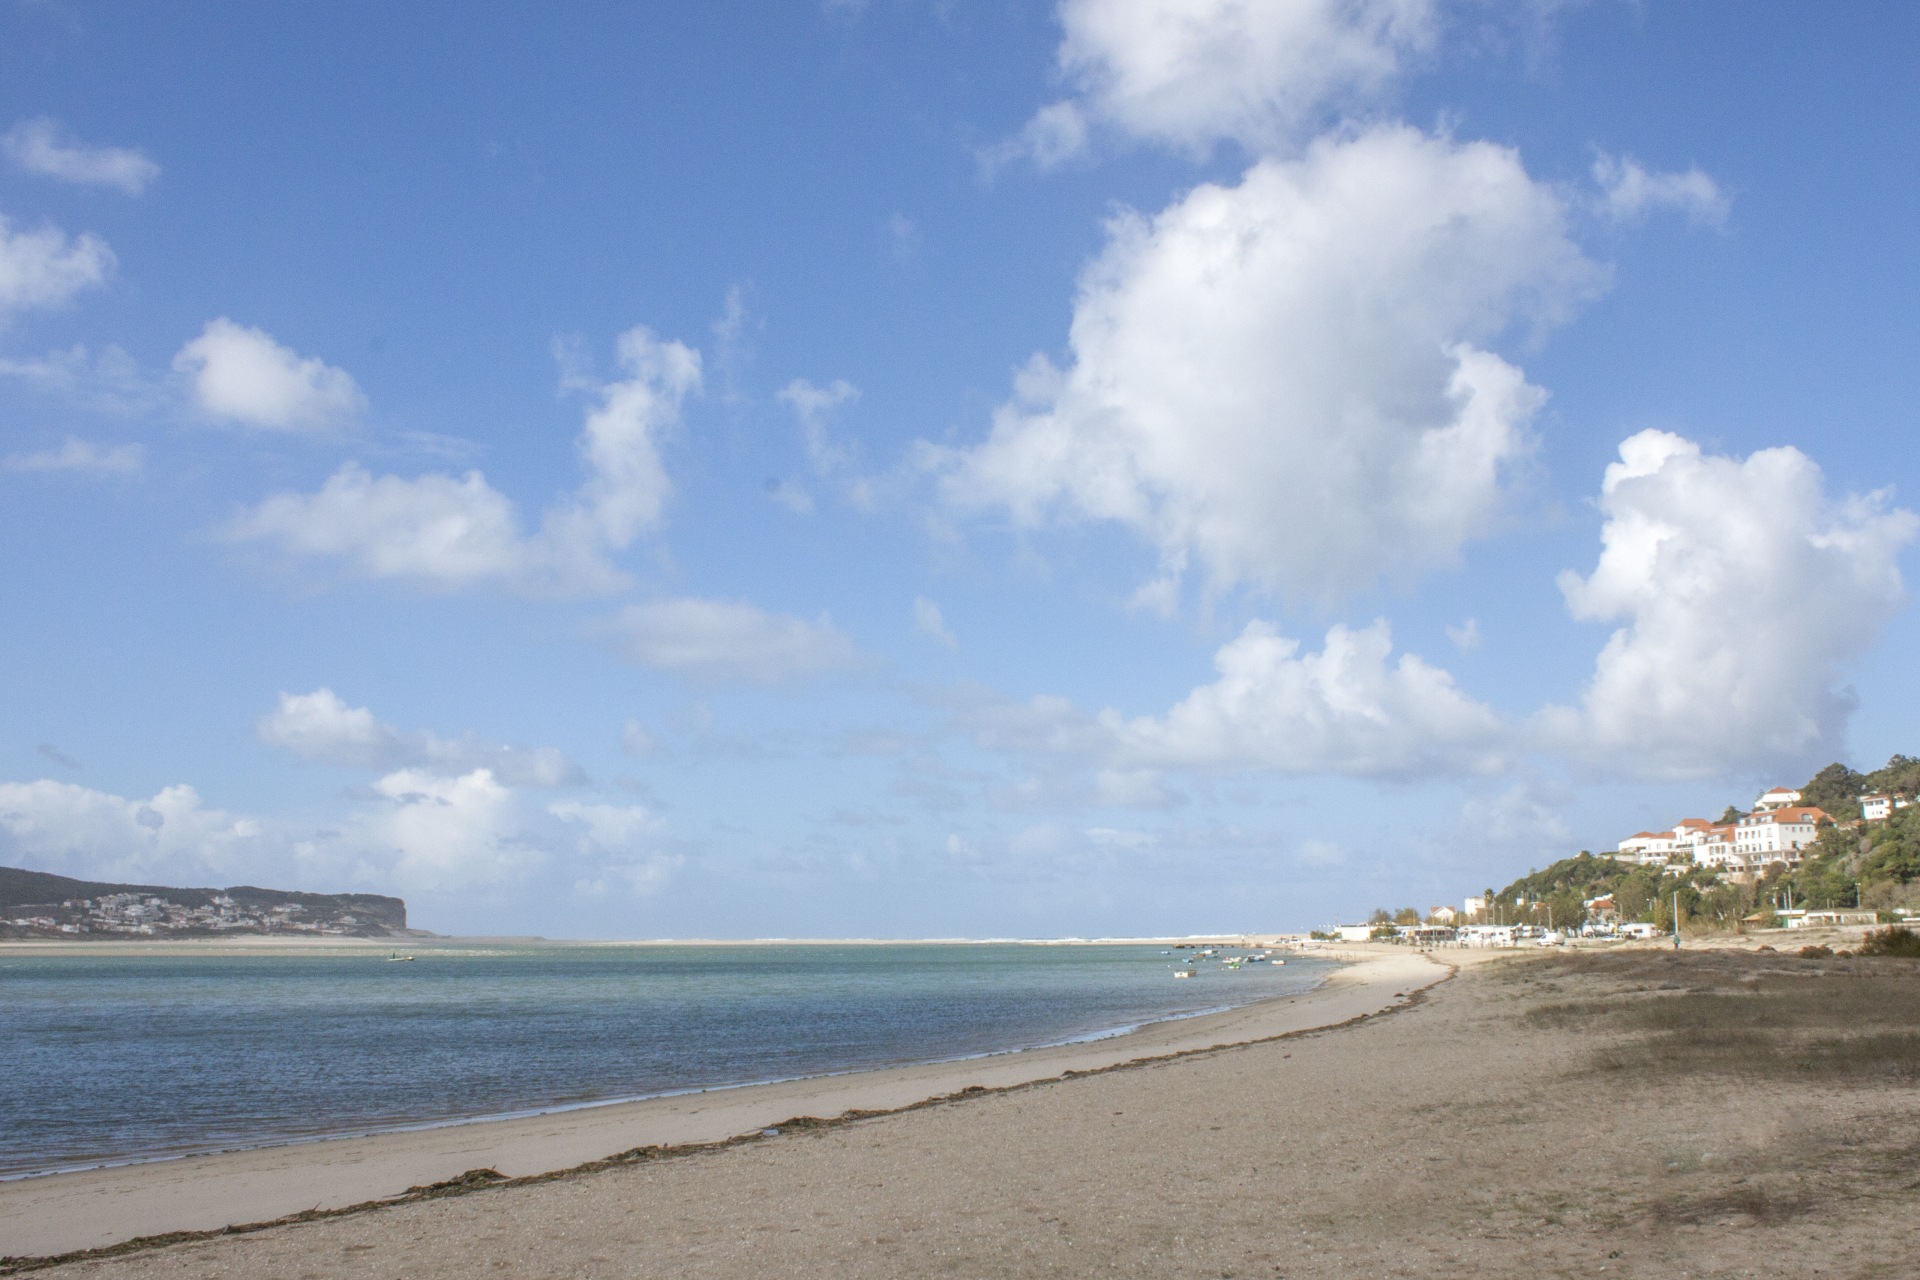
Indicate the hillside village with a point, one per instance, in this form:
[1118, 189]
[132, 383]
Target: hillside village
[37, 904]
[1844, 848]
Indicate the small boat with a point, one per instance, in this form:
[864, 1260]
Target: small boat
[396, 957]
[1185, 973]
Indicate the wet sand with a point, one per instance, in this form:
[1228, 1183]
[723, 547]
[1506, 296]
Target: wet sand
[1462, 1135]
[95, 1208]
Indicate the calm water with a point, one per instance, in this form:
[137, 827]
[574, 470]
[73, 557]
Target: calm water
[128, 1056]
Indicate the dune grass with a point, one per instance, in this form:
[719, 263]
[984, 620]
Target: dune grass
[1739, 1015]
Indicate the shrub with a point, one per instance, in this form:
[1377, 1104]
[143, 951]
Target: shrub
[1815, 953]
[1896, 940]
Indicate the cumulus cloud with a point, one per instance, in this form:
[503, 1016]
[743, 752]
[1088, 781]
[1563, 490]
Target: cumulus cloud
[619, 839]
[1465, 636]
[45, 269]
[435, 530]
[1348, 709]
[450, 832]
[1281, 380]
[321, 727]
[170, 838]
[81, 456]
[39, 146]
[928, 622]
[242, 375]
[1352, 709]
[446, 533]
[1628, 192]
[1184, 73]
[724, 640]
[414, 831]
[1744, 591]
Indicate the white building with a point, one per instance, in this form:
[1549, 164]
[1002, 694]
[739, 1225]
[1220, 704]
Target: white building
[1776, 798]
[1876, 808]
[1647, 846]
[1777, 835]
[1716, 845]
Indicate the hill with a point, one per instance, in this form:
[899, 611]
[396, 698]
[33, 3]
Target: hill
[41, 904]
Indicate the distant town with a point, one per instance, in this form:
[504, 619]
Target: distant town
[36, 904]
[1843, 849]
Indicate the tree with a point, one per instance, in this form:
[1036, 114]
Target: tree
[1731, 815]
[1835, 789]
[1380, 916]
[1406, 915]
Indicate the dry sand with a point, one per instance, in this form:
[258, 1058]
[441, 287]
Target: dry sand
[96, 1208]
[1456, 1137]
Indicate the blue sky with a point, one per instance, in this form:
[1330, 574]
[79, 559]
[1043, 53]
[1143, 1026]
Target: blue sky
[896, 469]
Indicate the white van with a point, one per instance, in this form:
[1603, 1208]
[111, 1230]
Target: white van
[1642, 931]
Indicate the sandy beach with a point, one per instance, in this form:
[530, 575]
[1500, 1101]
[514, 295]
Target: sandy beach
[96, 1208]
[1513, 1121]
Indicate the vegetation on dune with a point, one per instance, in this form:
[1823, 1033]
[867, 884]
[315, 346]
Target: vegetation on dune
[1737, 1016]
[1895, 941]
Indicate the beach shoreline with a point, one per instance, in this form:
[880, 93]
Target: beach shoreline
[101, 1207]
[431, 942]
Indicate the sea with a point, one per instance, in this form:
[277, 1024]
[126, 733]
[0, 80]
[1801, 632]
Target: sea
[114, 1058]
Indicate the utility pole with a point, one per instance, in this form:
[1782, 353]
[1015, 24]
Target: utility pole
[1676, 919]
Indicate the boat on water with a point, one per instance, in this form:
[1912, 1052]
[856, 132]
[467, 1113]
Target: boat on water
[396, 957]
[1185, 973]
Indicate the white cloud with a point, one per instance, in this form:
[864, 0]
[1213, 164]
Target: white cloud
[44, 268]
[242, 375]
[1056, 134]
[80, 456]
[627, 486]
[38, 147]
[726, 640]
[109, 381]
[813, 406]
[451, 534]
[928, 622]
[76, 831]
[1628, 192]
[1344, 710]
[1279, 378]
[435, 530]
[1525, 820]
[1465, 636]
[624, 831]
[321, 727]
[608, 826]
[1348, 709]
[1185, 73]
[1744, 591]
[450, 833]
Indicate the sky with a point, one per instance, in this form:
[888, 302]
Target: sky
[905, 469]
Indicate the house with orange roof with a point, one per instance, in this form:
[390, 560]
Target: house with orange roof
[1778, 835]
